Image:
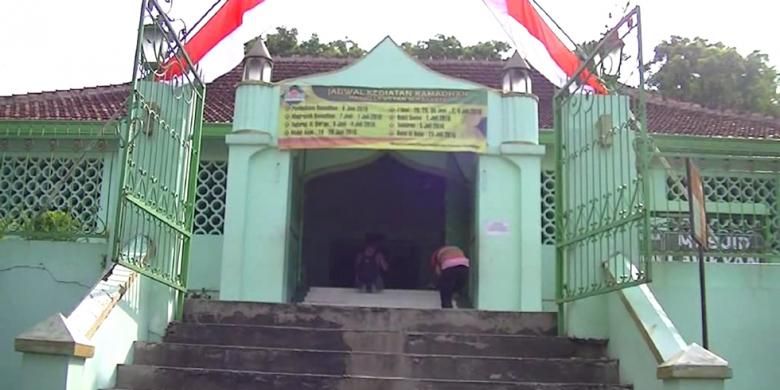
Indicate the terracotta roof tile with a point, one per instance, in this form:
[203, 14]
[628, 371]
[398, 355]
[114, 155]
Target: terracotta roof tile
[665, 116]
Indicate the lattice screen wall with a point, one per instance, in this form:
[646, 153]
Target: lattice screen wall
[210, 198]
[28, 181]
[548, 207]
[759, 191]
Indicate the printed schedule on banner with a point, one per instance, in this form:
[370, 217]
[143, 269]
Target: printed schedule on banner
[320, 117]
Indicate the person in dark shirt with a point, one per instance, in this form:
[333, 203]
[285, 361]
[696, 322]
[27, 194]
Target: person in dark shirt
[369, 265]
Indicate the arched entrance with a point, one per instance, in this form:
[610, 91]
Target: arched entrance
[413, 206]
[492, 195]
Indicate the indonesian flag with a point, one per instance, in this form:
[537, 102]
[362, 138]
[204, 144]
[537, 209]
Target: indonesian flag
[540, 46]
[226, 20]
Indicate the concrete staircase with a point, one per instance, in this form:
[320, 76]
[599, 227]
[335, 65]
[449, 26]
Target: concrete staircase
[243, 346]
[410, 299]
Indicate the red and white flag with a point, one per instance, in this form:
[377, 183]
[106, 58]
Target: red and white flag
[226, 20]
[539, 45]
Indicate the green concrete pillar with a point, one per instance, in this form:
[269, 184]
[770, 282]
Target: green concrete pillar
[256, 215]
[51, 372]
[691, 384]
[510, 246]
[509, 210]
[694, 368]
[53, 357]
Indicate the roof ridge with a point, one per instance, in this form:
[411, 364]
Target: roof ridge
[729, 112]
[96, 89]
[303, 58]
[666, 115]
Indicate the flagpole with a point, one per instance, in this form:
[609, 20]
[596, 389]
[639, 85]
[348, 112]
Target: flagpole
[558, 26]
[698, 238]
[195, 26]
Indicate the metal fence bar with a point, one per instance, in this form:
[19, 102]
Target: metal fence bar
[602, 179]
[160, 161]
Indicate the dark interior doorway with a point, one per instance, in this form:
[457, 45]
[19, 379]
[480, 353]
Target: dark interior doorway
[403, 256]
[404, 205]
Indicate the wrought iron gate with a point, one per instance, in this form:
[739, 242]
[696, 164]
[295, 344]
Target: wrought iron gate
[160, 147]
[602, 162]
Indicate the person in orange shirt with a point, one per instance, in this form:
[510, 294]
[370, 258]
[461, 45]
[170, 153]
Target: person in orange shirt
[452, 267]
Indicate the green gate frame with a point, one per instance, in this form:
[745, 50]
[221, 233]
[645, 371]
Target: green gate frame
[602, 167]
[160, 148]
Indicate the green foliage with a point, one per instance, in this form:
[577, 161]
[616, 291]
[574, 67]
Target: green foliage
[9, 225]
[442, 46]
[715, 75]
[285, 42]
[52, 225]
[4, 226]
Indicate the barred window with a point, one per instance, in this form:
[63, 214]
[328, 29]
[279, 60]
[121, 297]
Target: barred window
[210, 198]
[548, 207]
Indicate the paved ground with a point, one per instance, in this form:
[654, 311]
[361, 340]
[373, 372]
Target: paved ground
[413, 299]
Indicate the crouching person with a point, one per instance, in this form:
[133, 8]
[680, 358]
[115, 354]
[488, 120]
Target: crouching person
[452, 268]
[369, 265]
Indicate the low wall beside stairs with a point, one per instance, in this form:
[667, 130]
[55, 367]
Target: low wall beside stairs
[742, 316]
[743, 307]
[37, 279]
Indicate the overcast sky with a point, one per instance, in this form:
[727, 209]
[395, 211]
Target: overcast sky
[61, 44]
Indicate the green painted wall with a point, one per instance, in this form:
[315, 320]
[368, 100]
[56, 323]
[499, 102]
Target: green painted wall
[548, 279]
[205, 263]
[499, 261]
[605, 317]
[637, 363]
[255, 241]
[38, 279]
[387, 65]
[206, 250]
[49, 372]
[743, 316]
[142, 314]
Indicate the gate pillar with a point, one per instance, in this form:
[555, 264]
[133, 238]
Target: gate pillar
[258, 184]
[509, 211]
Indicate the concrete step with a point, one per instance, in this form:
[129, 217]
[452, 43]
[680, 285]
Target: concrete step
[139, 377]
[318, 362]
[384, 341]
[411, 299]
[364, 318]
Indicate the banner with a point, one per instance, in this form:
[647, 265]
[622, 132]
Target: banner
[322, 117]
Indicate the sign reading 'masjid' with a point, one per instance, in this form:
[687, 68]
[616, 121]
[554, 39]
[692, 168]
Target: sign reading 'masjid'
[322, 117]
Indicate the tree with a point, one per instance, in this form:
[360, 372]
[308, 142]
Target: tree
[715, 75]
[285, 42]
[442, 46]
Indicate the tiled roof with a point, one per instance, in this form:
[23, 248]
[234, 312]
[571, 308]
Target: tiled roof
[665, 116]
[93, 103]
